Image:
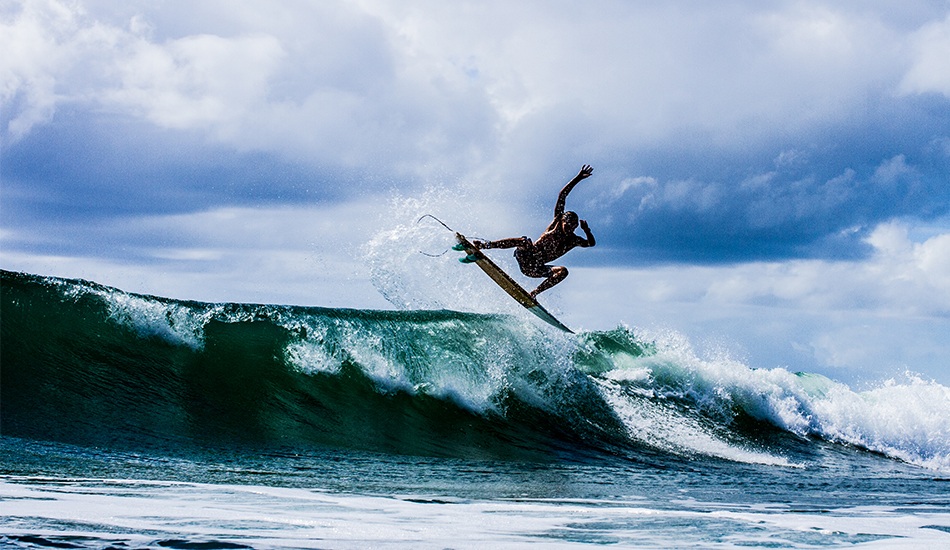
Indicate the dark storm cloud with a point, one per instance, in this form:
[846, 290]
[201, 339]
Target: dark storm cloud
[819, 199]
[104, 166]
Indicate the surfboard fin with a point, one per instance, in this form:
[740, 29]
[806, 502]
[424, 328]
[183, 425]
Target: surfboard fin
[459, 247]
[471, 258]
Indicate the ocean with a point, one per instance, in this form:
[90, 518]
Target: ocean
[133, 421]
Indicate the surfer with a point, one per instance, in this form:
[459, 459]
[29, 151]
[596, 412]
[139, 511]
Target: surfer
[557, 240]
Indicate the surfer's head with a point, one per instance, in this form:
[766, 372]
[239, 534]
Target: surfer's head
[569, 221]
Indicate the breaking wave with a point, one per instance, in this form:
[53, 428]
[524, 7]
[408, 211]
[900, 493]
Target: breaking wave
[88, 364]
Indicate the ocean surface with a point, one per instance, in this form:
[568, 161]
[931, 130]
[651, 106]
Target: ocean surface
[132, 421]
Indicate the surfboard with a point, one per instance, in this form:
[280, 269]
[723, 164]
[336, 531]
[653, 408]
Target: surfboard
[507, 284]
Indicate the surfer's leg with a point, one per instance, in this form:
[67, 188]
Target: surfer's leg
[558, 274]
[513, 242]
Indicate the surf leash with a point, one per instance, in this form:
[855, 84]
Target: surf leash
[436, 219]
[424, 216]
[467, 259]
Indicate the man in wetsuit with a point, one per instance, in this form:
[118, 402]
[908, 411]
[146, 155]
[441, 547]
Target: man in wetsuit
[557, 240]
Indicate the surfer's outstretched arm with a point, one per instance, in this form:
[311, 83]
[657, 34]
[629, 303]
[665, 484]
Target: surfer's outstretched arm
[585, 173]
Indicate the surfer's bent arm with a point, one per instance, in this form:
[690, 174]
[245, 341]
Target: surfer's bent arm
[589, 242]
[585, 172]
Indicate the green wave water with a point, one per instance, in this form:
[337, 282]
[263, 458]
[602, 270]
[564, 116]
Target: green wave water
[92, 365]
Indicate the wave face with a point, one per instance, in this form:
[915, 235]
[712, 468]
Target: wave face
[93, 365]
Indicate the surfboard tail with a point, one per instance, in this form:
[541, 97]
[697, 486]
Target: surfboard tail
[543, 314]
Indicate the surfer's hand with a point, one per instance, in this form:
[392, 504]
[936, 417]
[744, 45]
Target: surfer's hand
[481, 245]
[585, 172]
[584, 225]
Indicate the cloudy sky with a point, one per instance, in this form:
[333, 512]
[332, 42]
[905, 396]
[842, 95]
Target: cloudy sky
[771, 178]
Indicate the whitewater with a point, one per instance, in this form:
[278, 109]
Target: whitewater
[140, 421]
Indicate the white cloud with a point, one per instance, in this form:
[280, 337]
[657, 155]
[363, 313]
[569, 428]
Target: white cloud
[641, 71]
[41, 42]
[913, 277]
[198, 81]
[448, 83]
[930, 47]
[902, 278]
